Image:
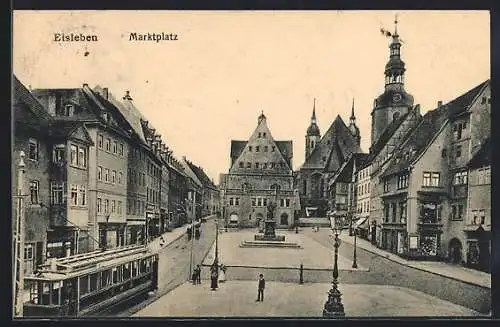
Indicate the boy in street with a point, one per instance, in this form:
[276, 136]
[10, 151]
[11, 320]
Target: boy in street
[261, 287]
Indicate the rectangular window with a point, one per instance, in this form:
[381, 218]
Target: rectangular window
[386, 212]
[264, 165]
[106, 205]
[119, 207]
[83, 195]
[249, 165]
[115, 146]
[287, 203]
[99, 173]
[59, 153]
[113, 206]
[143, 179]
[121, 149]
[259, 202]
[120, 176]
[256, 165]
[427, 179]
[257, 148]
[403, 181]
[264, 202]
[231, 201]
[108, 144]
[458, 151]
[34, 189]
[82, 157]
[249, 148]
[73, 155]
[237, 201]
[266, 148]
[57, 193]
[254, 202]
[457, 211]
[33, 149]
[113, 176]
[402, 212]
[460, 178]
[74, 195]
[242, 164]
[106, 175]
[435, 179]
[100, 141]
[99, 205]
[282, 202]
[386, 186]
[273, 148]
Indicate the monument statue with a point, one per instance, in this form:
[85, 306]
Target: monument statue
[270, 210]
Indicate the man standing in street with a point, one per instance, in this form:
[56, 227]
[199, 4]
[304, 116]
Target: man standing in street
[198, 274]
[260, 292]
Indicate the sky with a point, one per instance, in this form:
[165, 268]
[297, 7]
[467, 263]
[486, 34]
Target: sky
[210, 85]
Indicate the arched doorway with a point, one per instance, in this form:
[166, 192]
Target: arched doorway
[284, 219]
[455, 251]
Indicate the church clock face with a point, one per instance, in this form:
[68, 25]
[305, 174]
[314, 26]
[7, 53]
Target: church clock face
[396, 97]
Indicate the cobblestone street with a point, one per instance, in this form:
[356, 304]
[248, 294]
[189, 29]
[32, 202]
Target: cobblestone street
[237, 299]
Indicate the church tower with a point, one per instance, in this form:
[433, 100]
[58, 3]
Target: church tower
[313, 134]
[352, 126]
[395, 101]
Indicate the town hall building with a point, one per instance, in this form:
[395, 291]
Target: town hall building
[260, 174]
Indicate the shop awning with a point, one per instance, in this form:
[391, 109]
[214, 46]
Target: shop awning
[360, 222]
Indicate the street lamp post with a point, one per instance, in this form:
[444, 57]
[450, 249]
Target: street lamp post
[354, 263]
[215, 264]
[333, 306]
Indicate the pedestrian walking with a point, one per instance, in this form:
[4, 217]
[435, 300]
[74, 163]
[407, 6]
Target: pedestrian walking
[261, 287]
[198, 274]
[222, 275]
[193, 276]
[213, 276]
[301, 274]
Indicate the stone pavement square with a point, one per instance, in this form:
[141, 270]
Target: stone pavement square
[237, 299]
[311, 255]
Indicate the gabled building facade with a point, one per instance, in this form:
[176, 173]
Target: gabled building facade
[425, 196]
[260, 174]
[324, 156]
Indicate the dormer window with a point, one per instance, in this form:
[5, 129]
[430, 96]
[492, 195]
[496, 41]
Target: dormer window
[250, 148]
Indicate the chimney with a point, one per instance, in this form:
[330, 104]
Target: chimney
[105, 93]
[85, 85]
[440, 103]
[127, 96]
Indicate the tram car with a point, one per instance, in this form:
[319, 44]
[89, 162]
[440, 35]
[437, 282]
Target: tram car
[90, 283]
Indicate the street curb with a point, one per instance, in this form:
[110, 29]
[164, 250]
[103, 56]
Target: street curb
[294, 268]
[387, 256]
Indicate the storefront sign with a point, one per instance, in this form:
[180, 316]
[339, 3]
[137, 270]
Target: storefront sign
[413, 242]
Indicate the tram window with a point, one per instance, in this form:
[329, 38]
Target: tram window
[143, 266]
[46, 293]
[93, 282]
[84, 285]
[115, 275]
[126, 271]
[106, 278]
[33, 285]
[134, 268]
[56, 292]
[120, 273]
[148, 265]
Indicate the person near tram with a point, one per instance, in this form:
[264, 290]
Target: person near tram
[222, 274]
[214, 274]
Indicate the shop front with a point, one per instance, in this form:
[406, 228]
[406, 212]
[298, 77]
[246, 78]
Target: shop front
[479, 249]
[134, 232]
[61, 242]
[111, 235]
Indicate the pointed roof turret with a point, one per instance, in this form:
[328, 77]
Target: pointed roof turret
[313, 129]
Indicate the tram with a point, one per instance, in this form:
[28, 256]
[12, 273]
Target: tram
[90, 283]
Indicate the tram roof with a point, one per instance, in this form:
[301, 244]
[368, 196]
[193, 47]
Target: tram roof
[81, 264]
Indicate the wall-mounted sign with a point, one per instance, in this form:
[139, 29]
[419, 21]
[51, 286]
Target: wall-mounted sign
[414, 242]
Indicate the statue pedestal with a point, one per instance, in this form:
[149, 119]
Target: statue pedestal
[269, 233]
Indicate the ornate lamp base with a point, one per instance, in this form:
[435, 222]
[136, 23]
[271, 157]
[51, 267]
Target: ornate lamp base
[333, 306]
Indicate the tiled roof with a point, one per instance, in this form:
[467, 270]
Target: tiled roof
[22, 94]
[463, 102]
[418, 140]
[483, 156]
[384, 138]
[343, 144]
[236, 149]
[286, 149]
[425, 131]
[63, 128]
[202, 176]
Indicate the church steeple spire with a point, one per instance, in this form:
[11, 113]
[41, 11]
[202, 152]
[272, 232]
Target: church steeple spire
[352, 125]
[313, 117]
[395, 67]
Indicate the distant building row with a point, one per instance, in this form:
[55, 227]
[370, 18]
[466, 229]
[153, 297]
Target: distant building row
[424, 189]
[97, 174]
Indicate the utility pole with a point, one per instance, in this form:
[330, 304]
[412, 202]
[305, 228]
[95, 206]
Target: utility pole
[191, 262]
[18, 272]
